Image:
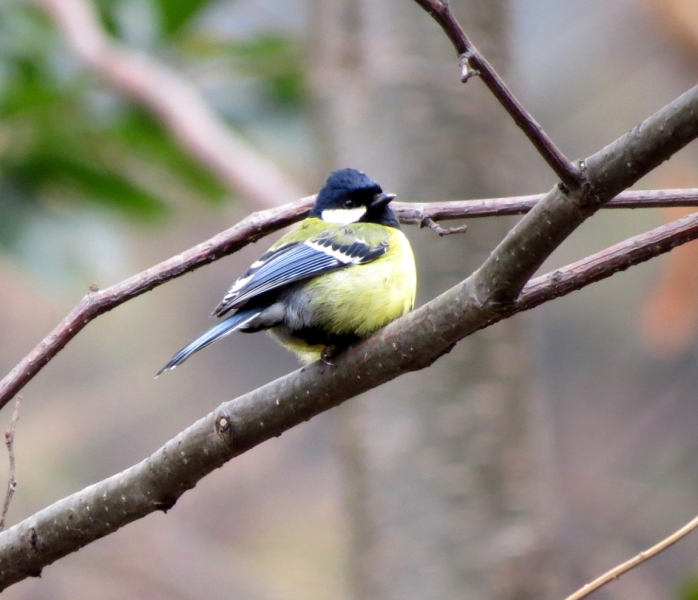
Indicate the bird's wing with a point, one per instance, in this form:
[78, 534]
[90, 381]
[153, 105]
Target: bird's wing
[298, 261]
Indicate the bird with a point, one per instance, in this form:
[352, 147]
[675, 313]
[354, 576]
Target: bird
[344, 273]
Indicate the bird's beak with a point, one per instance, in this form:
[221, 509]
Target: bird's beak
[382, 200]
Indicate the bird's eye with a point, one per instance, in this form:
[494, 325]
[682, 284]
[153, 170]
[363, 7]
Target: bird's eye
[348, 204]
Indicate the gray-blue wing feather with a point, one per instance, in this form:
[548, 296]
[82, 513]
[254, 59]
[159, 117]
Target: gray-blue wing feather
[214, 334]
[273, 271]
[294, 263]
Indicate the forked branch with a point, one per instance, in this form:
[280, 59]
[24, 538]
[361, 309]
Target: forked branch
[473, 63]
[494, 292]
[410, 343]
[497, 290]
[263, 223]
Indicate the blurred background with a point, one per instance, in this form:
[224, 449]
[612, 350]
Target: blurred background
[538, 454]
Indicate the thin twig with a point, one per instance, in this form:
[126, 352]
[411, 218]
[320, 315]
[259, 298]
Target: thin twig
[95, 303]
[431, 224]
[616, 572]
[11, 481]
[177, 103]
[473, 63]
[415, 213]
[263, 223]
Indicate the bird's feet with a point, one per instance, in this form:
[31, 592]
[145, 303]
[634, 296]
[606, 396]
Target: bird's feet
[328, 353]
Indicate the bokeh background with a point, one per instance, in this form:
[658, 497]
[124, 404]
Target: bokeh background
[569, 449]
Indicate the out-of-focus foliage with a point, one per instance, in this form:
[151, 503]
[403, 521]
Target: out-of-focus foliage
[66, 139]
[689, 589]
[274, 61]
[61, 136]
[167, 17]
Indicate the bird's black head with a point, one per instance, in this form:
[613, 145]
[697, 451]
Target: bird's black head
[350, 196]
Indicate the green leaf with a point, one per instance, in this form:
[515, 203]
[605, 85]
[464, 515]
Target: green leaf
[688, 589]
[287, 90]
[137, 129]
[176, 14]
[275, 60]
[86, 181]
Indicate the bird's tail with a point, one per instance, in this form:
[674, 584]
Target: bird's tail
[212, 335]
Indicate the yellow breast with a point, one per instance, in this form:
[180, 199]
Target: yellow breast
[361, 299]
[387, 291]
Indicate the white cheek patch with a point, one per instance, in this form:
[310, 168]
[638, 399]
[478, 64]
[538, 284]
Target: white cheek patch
[343, 216]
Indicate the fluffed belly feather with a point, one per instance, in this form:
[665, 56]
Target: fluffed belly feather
[331, 311]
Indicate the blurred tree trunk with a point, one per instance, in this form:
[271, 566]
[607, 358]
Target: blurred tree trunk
[445, 489]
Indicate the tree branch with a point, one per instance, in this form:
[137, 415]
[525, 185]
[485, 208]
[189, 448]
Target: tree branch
[473, 63]
[415, 213]
[410, 343]
[96, 302]
[11, 481]
[621, 569]
[497, 290]
[607, 172]
[178, 104]
[633, 251]
[261, 224]
[238, 425]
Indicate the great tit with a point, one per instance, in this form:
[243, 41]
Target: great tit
[344, 273]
